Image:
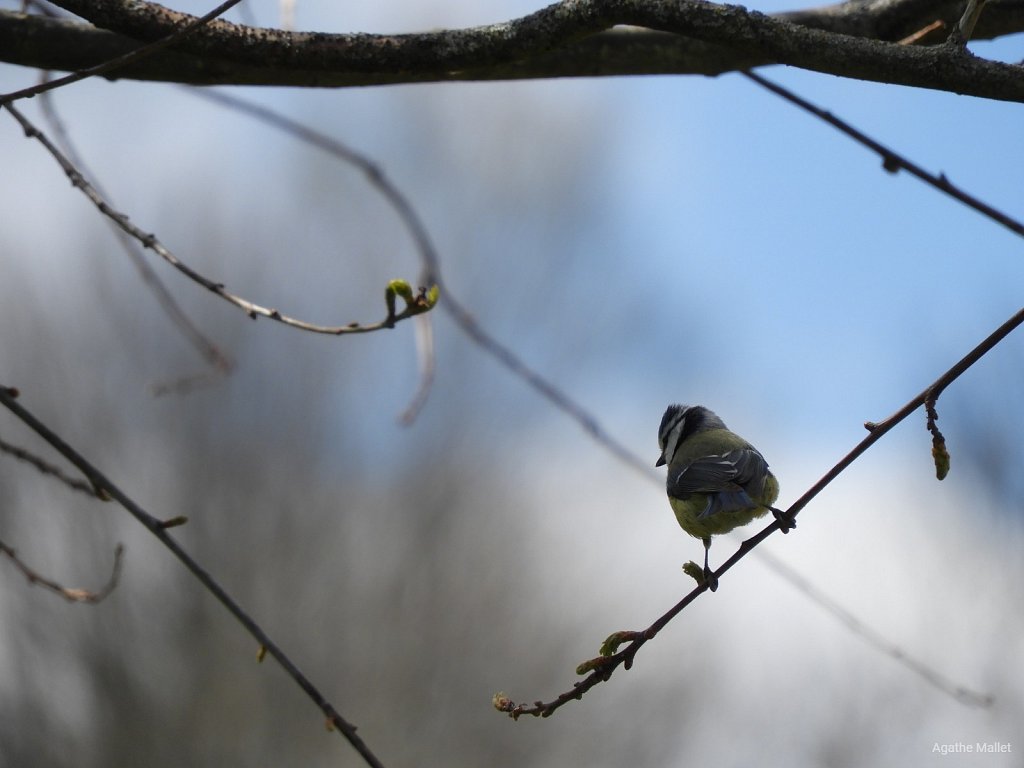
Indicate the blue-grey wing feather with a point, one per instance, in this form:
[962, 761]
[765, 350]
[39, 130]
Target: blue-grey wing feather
[728, 479]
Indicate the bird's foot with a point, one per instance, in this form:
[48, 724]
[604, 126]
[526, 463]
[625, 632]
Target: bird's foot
[787, 522]
[710, 579]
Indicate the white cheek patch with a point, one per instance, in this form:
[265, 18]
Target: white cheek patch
[672, 441]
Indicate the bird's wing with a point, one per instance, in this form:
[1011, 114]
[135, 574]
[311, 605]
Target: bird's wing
[723, 473]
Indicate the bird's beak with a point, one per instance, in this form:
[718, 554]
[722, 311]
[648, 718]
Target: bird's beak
[660, 462]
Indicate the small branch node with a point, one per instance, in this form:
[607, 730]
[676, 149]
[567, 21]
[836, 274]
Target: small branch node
[891, 163]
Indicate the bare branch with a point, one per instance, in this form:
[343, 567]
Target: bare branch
[892, 161]
[35, 41]
[504, 355]
[52, 470]
[159, 529]
[379, 181]
[562, 40]
[71, 594]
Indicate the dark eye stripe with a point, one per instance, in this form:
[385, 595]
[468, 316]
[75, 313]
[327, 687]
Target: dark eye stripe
[673, 416]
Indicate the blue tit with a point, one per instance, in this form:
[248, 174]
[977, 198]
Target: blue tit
[716, 481]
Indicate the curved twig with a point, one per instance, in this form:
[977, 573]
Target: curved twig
[52, 470]
[415, 305]
[71, 594]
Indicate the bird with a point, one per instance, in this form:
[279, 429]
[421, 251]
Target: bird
[716, 480]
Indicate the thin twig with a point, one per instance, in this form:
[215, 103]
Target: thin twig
[47, 468]
[920, 34]
[378, 180]
[159, 529]
[150, 241]
[504, 355]
[601, 668]
[892, 161]
[431, 273]
[71, 594]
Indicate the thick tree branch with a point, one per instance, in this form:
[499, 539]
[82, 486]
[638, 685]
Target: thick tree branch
[570, 39]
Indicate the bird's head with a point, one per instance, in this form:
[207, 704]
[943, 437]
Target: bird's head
[679, 423]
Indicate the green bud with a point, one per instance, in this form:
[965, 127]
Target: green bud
[433, 295]
[695, 572]
[590, 665]
[400, 288]
[611, 644]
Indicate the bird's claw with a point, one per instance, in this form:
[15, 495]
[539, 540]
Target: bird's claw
[710, 579]
[787, 522]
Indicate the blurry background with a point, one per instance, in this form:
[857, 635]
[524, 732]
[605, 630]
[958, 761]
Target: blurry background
[636, 241]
